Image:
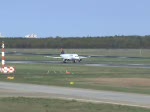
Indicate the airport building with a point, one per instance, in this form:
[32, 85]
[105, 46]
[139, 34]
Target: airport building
[31, 36]
[1, 35]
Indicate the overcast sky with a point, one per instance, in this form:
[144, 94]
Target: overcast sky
[74, 17]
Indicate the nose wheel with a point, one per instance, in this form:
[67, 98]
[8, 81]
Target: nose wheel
[64, 61]
[80, 60]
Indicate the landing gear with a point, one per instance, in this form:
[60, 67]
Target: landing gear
[74, 61]
[64, 61]
[80, 60]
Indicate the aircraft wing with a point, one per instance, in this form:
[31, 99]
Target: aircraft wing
[52, 57]
[82, 57]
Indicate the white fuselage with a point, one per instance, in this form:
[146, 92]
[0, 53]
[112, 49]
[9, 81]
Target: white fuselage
[70, 57]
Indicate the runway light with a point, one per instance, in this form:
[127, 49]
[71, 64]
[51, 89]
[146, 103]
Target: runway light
[71, 83]
[68, 73]
[10, 78]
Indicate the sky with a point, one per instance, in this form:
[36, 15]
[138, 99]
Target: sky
[74, 18]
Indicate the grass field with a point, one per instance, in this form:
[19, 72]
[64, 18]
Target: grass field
[99, 52]
[141, 56]
[101, 78]
[54, 105]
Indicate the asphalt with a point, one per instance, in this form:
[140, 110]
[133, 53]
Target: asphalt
[82, 64]
[8, 89]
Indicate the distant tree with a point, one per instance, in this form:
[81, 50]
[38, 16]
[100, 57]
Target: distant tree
[78, 42]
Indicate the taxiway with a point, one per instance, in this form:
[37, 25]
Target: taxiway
[8, 89]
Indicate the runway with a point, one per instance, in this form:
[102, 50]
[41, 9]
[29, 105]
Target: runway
[78, 64]
[82, 64]
[8, 89]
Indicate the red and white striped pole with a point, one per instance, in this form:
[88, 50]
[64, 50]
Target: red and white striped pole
[3, 55]
[5, 69]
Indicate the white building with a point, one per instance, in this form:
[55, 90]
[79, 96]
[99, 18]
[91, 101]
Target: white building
[31, 36]
[1, 35]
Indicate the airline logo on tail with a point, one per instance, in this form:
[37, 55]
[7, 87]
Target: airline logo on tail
[62, 51]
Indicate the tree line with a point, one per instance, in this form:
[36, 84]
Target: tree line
[113, 42]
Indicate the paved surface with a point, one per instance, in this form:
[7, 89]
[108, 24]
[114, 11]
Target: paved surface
[8, 89]
[81, 64]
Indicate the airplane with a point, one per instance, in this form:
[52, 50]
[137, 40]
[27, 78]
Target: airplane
[69, 57]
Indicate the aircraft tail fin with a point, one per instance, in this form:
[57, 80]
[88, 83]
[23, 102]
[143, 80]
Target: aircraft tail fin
[62, 51]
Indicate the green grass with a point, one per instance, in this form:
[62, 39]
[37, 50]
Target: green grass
[55, 75]
[143, 55]
[81, 75]
[21, 104]
[104, 52]
[91, 60]
[114, 60]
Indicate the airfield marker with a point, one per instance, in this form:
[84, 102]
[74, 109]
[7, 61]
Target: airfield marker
[4, 69]
[10, 78]
[71, 83]
[3, 55]
[68, 73]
